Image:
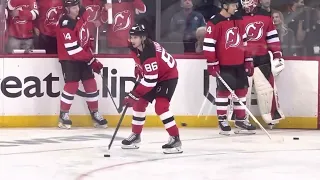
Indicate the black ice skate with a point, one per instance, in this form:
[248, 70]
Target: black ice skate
[132, 142]
[173, 146]
[244, 127]
[64, 121]
[224, 125]
[99, 121]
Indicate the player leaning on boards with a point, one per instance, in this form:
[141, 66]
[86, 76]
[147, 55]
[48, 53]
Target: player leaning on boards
[77, 62]
[263, 37]
[159, 73]
[225, 48]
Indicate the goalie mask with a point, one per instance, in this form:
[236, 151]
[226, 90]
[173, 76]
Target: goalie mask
[249, 5]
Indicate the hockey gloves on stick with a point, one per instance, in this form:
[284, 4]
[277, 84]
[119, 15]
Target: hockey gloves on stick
[277, 65]
[130, 99]
[248, 66]
[213, 68]
[95, 65]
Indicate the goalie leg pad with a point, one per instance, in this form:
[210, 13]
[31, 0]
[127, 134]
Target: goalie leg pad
[264, 87]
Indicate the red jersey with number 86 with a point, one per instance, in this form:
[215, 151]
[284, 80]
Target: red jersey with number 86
[157, 65]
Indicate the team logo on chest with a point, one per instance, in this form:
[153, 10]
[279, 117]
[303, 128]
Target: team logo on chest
[254, 31]
[84, 34]
[233, 38]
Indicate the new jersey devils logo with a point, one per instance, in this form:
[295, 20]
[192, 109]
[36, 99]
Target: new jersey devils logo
[122, 21]
[93, 12]
[84, 35]
[254, 31]
[53, 15]
[232, 37]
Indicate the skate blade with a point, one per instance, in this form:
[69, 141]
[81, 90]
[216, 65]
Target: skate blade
[225, 133]
[176, 150]
[244, 131]
[64, 126]
[132, 146]
[96, 125]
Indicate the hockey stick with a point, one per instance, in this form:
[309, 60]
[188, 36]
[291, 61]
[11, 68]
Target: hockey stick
[243, 105]
[112, 99]
[203, 104]
[119, 123]
[117, 128]
[230, 112]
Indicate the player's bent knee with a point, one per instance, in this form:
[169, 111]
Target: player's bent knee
[223, 93]
[241, 92]
[71, 87]
[90, 85]
[141, 105]
[162, 105]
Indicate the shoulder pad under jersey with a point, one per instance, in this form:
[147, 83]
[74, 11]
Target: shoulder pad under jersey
[215, 19]
[66, 22]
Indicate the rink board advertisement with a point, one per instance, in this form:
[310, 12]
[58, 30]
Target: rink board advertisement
[30, 90]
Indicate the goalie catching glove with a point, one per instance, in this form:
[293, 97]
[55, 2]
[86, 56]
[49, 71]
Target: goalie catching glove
[130, 99]
[95, 65]
[277, 65]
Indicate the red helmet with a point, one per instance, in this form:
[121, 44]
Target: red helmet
[249, 5]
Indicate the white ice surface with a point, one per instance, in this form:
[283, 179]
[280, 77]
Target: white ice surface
[207, 156]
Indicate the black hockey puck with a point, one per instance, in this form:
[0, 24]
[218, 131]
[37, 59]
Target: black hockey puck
[295, 138]
[106, 155]
[183, 124]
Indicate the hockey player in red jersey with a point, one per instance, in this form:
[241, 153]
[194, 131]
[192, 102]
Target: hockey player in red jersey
[77, 62]
[263, 37]
[123, 14]
[158, 82]
[225, 48]
[49, 15]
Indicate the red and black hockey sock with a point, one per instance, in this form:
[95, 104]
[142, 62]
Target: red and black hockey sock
[222, 102]
[167, 118]
[239, 110]
[67, 95]
[139, 115]
[90, 86]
